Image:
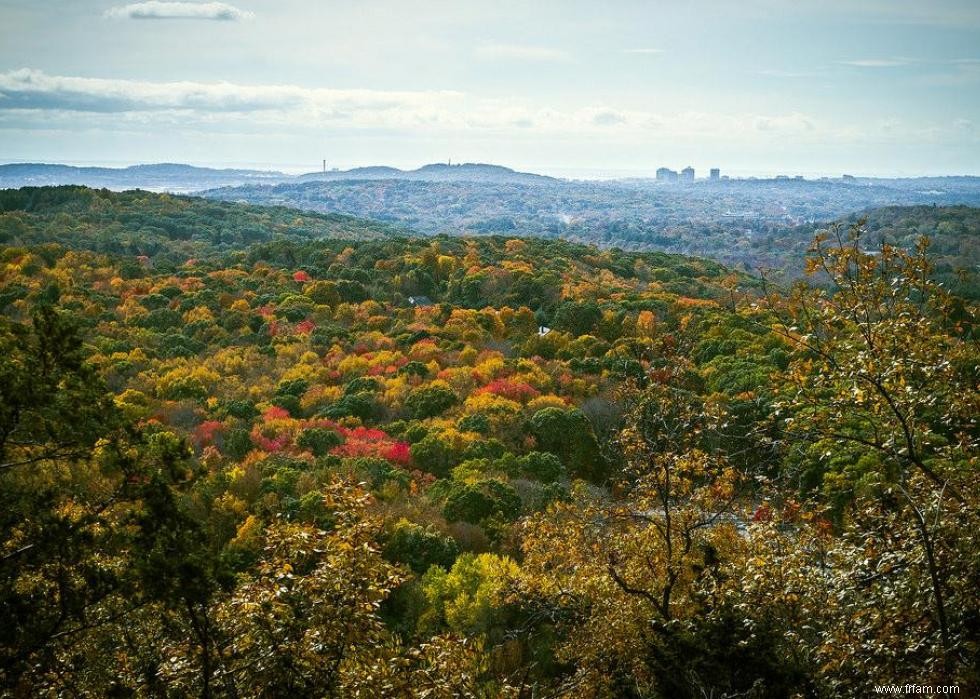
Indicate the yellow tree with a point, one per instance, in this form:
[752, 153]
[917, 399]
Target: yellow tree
[308, 616]
[623, 578]
[855, 606]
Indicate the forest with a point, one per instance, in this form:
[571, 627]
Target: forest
[745, 223]
[250, 451]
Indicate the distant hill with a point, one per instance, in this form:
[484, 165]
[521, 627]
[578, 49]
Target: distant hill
[435, 172]
[723, 220]
[166, 228]
[171, 177]
[953, 232]
[175, 177]
[181, 178]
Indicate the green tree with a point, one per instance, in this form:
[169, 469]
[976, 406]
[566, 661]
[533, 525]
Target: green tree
[319, 440]
[475, 502]
[542, 466]
[429, 401]
[577, 318]
[60, 494]
[84, 504]
[434, 454]
[420, 547]
[569, 435]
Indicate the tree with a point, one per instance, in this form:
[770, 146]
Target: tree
[856, 604]
[420, 547]
[569, 435]
[627, 581]
[475, 502]
[468, 596]
[542, 466]
[360, 405]
[434, 454]
[429, 401]
[319, 440]
[577, 318]
[54, 406]
[61, 495]
[322, 292]
[884, 370]
[306, 622]
[89, 517]
[174, 568]
[884, 360]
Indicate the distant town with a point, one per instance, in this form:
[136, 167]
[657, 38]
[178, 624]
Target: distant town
[688, 174]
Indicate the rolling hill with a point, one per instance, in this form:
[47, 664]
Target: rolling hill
[161, 226]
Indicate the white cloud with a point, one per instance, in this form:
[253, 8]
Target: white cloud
[158, 9]
[609, 117]
[522, 53]
[877, 62]
[780, 73]
[650, 52]
[33, 89]
[789, 123]
[35, 100]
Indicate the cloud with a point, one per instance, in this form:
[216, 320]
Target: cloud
[158, 9]
[516, 52]
[877, 62]
[649, 52]
[608, 117]
[779, 73]
[35, 100]
[34, 89]
[786, 124]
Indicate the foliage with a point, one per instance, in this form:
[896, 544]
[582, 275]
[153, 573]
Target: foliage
[420, 547]
[429, 401]
[569, 435]
[467, 596]
[747, 223]
[261, 470]
[475, 502]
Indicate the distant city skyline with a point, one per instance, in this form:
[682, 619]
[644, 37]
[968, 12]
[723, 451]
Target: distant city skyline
[574, 89]
[704, 173]
[584, 173]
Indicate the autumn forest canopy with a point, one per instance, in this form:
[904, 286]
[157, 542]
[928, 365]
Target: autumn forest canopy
[252, 451]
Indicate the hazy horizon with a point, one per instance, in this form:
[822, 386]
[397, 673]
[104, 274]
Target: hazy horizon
[587, 173]
[572, 89]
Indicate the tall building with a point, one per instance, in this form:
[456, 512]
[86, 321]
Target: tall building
[687, 174]
[665, 174]
[715, 173]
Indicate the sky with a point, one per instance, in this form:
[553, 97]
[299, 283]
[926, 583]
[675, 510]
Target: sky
[576, 89]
